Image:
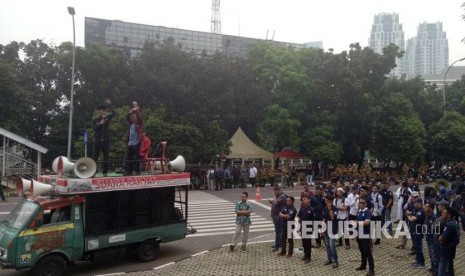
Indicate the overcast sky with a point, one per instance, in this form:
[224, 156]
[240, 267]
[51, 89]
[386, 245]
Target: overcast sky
[335, 22]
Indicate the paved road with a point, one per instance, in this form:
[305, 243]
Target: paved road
[210, 212]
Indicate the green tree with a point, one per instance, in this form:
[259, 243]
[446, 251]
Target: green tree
[447, 138]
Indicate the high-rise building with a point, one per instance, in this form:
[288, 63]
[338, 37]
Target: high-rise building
[410, 57]
[385, 30]
[131, 37]
[431, 49]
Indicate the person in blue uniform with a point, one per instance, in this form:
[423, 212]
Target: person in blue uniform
[287, 214]
[318, 204]
[431, 220]
[363, 238]
[448, 241]
[330, 218]
[417, 219]
[306, 215]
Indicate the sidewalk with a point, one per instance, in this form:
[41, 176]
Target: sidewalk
[259, 260]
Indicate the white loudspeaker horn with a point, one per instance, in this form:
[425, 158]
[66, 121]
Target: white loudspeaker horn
[178, 164]
[39, 188]
[22, 186]
[63, 165]
[85, 167]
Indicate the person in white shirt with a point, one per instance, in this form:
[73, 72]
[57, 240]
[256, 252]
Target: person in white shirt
[352, 203]
[210, 178]
[252, 174]
[377, 209]
[340, 203]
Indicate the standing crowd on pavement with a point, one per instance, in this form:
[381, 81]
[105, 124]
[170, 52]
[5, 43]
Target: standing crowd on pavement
[434, 215]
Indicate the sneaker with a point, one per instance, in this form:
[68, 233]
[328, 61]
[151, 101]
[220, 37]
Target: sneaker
[419, 266]
[231, 248]
[377, 242]
[335, 265]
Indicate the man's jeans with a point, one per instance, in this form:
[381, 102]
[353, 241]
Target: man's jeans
[277, 230]
[433, 251]
[331, 252]
[418, 246]
[387, 217]
[445, 267]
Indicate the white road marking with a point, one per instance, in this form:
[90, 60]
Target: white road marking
[200, 253]
[162, 266]
[112, 274]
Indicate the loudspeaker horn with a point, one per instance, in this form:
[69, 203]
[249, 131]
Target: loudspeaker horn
[85, 167]
[39, 188]
[178, 164]
[61, 164]
[22, 186]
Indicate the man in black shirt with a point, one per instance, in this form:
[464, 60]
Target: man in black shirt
[100, 125]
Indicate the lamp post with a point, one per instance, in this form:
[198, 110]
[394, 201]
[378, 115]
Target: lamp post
[70, 126]
[444, 85]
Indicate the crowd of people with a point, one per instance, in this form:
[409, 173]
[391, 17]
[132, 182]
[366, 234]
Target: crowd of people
[430, 215]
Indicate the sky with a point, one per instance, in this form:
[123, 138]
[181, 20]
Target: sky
[335, 22]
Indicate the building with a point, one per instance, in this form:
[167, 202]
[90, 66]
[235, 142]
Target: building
[386, 30]
[410, 57]
[455, 73]
[132, 36]
[314, 44]
[431, 49]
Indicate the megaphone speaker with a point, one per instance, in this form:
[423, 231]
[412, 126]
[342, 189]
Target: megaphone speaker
[178, 164]
[63, 165]
[22, 186]
[39, 188]
[85, 167]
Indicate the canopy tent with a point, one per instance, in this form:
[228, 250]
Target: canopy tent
[243, 148]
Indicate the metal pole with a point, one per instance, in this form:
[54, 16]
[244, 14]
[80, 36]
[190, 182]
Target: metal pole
[4, 156]
[444, 86]
[71, 107]
[39, 163]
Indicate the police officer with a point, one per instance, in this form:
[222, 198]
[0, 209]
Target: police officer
[417, 219]
[448, 241]
[287, 214]
[431, 222]
[318, 204]
[363, 238]
[305, 216]
[388, 201]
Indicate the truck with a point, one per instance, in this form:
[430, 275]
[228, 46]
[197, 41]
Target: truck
[62, 220]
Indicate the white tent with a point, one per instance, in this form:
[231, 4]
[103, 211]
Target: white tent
[243, 148]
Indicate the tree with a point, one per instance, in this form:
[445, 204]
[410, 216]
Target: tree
[399, 134]
[447, 138]
[320, 145]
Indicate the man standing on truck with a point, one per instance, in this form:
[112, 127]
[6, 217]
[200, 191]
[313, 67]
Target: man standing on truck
[135, 138]
[243, 211]
[100, 126]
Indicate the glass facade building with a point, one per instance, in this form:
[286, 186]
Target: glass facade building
[132, 37]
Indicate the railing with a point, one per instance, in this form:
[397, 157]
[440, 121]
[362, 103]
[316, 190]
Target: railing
[17, 165]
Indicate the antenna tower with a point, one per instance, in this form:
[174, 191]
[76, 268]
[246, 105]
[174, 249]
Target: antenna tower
[216, 19]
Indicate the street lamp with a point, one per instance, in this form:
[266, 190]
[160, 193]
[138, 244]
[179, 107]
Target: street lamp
[70, 126]
[444, 85]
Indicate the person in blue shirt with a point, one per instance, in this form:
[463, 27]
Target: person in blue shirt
[318, 204]
[417, 219]
[287, 214]
[243, 211]
[306, 215]
[364, 241]
[277, 204]
[431, 220]
[330, 218]
[134, 139]
[448, 241]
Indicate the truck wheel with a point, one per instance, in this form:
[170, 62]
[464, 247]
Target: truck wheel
[148, 250]
[52, 265]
